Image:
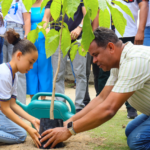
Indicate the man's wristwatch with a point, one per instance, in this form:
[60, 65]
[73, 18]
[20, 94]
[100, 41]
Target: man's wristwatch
[70, 128]
[80, 25]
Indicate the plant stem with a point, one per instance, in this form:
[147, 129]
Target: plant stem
[54, 82]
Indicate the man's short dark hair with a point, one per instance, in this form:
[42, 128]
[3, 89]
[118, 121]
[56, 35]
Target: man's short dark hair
[104, 35]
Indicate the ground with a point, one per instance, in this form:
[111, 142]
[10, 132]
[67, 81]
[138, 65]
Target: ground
[109, 136]
[81, 141]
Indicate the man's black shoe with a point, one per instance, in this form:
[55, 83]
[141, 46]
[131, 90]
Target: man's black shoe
[132, 113]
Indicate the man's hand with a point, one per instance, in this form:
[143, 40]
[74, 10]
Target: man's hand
[36, 123]
[139, 38]
[55, 136]
[75, 33]
[34, 135]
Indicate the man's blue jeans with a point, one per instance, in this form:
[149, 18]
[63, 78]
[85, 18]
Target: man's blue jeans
[1, 51]
[138, 133]
[147, 36]
[10, 132]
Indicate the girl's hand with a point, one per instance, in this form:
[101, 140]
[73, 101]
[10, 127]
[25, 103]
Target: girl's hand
[34, 135]
[36, 123]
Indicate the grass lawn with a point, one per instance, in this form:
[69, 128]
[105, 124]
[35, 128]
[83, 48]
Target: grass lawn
[113, 133]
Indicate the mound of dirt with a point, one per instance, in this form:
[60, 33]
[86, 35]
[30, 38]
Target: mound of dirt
[82, 141]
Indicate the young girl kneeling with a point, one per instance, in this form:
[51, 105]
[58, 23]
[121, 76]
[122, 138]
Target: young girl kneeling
[11, 126]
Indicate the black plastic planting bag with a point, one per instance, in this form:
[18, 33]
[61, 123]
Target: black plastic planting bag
[45, 124]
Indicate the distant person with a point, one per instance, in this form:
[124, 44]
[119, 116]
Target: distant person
[40, 78]
[147, 29]
[74, 86]
[12, 128]
[17, 17]
[2, 32]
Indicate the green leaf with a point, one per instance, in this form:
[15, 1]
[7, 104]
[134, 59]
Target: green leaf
[64, 8]
[33, 35]
[87, 35]
[73, 43]
[53, 37]
[118, 19]
[65, 41]
[73, 52]
[51, 42]
[104, 18]
[82, 52]
[102, 4]
[28, 4]
[6, 4]
[72, 6]
[42, 23]
[55, 9]
[42, 30]
[44, 2]
[124, 8]
[93, 6]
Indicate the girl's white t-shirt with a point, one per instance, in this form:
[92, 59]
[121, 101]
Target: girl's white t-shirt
[15, 13]
[7, 88]
[3, 28]
[131, 28]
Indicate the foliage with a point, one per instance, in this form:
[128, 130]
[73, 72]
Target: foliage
[87, 35]
[52, 40]
[44, 2]
[102, 4]
[104, 18]
[73, 52]
[5, 6]
[124, 8]
[28, 4]
[118, 19]
[65, 46]
[93, 6]
[73, 4]
[55, 9]
[69, 7]
[33, 35]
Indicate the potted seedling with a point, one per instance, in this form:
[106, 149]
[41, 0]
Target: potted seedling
[50, 123]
